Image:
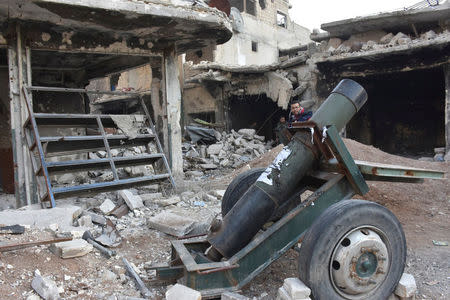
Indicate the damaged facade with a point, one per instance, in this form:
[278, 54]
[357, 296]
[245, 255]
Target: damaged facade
[52, 49]
[218, 79]
[401, 58]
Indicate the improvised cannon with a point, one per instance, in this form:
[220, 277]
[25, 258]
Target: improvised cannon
[350, 249]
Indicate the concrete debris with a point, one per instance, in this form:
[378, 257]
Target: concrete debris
[233, 150]
[233, 296]
[107, 207]
[45, 287]
[179, 291]
[108, 275]
[70, 249]
[133, 201]
[171, 223]
[169, 201]
[34, 216]
[95, 218]
[296, 289]
[85, 221]
[406, 286]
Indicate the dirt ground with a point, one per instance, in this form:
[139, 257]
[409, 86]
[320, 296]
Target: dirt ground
[423, 209]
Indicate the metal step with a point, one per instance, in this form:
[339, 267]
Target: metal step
[103, 163]
[107, 186]
[57, 145]
[75, 120]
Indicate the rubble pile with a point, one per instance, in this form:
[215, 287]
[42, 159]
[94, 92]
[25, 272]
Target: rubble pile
[230, 151]
[336, 46]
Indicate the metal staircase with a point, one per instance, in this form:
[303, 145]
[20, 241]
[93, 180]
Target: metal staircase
[43, 147]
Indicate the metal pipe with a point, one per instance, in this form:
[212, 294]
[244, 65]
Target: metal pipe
[277, 183]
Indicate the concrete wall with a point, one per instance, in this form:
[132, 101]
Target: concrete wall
[263, 30]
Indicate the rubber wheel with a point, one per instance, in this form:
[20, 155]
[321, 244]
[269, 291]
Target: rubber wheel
[328, 240]
[238, 187]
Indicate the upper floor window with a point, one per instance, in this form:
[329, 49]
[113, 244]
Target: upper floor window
[281, 19]
[248, 6]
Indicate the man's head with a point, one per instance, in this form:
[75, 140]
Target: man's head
[282, 120]
[296, 108]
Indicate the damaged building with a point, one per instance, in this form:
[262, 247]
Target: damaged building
[400, 57]
[51, 50]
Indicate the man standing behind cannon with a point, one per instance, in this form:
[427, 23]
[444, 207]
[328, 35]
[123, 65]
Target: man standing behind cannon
[298, 113]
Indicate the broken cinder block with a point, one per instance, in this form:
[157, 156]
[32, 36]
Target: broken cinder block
[70, 249]
[179, 291]
[45, 287]
[133, 201]
[406, 286]
[107, 206]
[296, 289]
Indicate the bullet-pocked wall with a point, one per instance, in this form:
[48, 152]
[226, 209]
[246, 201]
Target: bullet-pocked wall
[405, 112]
[7, 164]
[257, 112]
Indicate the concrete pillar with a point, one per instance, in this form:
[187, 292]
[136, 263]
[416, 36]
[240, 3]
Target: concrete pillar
[18, 62]
[159, 108]
[173, 97]
[447, 107]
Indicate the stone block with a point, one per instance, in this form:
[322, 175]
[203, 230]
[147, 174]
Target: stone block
[85, 221]
[283, 294]
[96, 218]
[45, 287]
[179, 291]
[296, 288]
[133, 201]
[393, 297]
[233, 296]
[70, 249]
[107, 206]
[406, 286]
[171, 223]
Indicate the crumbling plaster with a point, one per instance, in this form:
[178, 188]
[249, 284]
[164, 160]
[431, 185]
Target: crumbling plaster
[123, 26]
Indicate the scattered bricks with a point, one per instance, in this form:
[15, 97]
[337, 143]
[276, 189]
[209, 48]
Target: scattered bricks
[179, 291]
[107, 206]
[96, 218]
[283, 294]
[85, 221]
[133, 202]
[171, 223]
[296, 289]
[406, 287]
[45, 287]
[194, 173]
[70, 249]
[233, 296]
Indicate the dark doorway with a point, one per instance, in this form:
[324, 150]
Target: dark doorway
[257, 112]
[404, 114]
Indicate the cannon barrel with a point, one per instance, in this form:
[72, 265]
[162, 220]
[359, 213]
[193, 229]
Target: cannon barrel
[280, 180]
